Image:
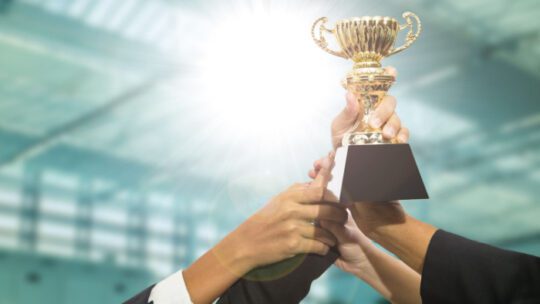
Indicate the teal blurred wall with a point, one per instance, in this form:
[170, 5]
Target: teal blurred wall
[125, 153]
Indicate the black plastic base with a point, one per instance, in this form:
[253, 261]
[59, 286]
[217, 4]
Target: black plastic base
[378, 173]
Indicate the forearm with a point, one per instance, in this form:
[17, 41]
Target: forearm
[394, 280]
[214, 272]
[401, 234]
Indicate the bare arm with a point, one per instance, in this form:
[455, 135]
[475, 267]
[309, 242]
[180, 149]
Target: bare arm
[210, 275]
[388, 224]
[392, 278]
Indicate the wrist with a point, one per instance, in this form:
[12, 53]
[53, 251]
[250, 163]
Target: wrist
[364, 267]
[375, 218]
[237, 252]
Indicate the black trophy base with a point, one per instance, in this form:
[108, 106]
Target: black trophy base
[376, 173]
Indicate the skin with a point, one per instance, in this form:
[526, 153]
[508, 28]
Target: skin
[384, 117]
[385, 223]
[395, 230]
[392, 278]
[281, 229]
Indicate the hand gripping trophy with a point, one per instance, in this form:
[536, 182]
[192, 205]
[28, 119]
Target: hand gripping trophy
[369, 167]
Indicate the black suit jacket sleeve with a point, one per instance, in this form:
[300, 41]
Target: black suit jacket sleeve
[290, 288]
[458, 270]
[292, 285]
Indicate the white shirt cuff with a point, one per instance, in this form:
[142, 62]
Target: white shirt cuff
[172, 290]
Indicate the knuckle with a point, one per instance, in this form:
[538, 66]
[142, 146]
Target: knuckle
[292, 243]
[291, 212]
[323, 249]
[291, 228]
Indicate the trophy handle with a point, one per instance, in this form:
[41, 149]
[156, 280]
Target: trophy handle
[321, 41]
[411, 37]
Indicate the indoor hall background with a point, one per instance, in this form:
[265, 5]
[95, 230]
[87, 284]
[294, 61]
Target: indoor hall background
[135, 134]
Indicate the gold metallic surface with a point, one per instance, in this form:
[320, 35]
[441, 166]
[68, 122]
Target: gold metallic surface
[366, 41]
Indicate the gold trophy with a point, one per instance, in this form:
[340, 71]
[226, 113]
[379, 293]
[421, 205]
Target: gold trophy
[366, 41]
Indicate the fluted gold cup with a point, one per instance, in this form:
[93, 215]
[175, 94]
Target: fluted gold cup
[366, 41]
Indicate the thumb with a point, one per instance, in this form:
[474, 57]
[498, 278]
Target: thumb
[348, 115]
[345, 120]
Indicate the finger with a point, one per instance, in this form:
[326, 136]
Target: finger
[403, 135]
[305, 195]
[318, 163]
[340, 263]
[383, 112]
[311, 194]
[391, 128]
[312, 246]
[330, 212]
[313, 232]
[316, 168]
[337, 230]
[330, 197]
[390, 70]
[323, 176]
[349, 114]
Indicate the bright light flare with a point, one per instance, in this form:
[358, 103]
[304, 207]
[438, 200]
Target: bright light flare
[262, 76]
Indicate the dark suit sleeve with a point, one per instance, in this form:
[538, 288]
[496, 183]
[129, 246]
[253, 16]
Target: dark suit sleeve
[286, 282]
[141, 298]
[458, 270]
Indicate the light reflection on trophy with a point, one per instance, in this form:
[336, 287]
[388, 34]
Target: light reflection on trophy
[368, 166]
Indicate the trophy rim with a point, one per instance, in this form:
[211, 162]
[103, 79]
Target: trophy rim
[369, 18]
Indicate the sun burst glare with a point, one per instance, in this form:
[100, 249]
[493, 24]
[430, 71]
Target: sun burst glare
[263, 77]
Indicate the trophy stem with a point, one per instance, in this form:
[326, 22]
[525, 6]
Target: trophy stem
[361, 133]
[370, 86]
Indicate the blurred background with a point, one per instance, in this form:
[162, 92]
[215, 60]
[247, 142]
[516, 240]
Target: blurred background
[135, 134]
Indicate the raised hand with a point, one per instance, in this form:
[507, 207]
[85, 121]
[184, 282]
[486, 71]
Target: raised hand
[392, 278]
[285, 226]
[359, 256]
[384, 117]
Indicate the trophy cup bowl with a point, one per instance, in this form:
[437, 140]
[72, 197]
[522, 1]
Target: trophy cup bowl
[366, 41]
[388, 170]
